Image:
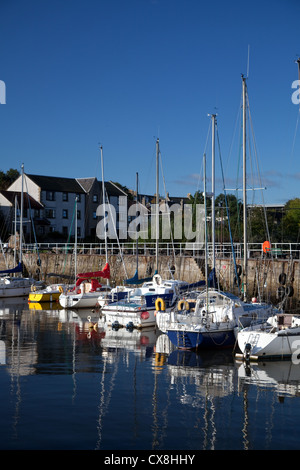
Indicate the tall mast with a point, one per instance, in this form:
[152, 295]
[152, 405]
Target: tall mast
[103, 201]
[157, 201]
[205, 220]
[76, 223]
[244, 189]
[213, 124]
[137, 238]
[21, 214]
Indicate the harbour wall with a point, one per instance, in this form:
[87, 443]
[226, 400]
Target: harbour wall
[267, 278]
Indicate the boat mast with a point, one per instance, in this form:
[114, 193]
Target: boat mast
[76, 222]
[157, 201]
[205, 230]
[213, 124]
[21, 214]
[103, 201]
[244, 189]
[136, 235]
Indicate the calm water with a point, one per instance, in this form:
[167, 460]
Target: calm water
[66, 386]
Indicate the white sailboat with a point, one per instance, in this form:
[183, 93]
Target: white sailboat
[16, 286]
[278, 337]
[216, 316]
[87, 288]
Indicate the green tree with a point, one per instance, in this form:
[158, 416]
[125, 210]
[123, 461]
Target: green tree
[291, 220]
[6, 179]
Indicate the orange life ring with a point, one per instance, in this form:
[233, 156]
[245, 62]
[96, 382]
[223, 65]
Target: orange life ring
[266, 246]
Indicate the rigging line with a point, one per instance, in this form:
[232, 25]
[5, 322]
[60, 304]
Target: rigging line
[227, 209]
[168, 208]
[69, 237]
[295, 134]
[259, 176]
[32, 222]
[115, 230]
[201, 169]
[235, 130]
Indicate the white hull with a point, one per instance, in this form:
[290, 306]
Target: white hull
[139, 318]
[271, 340]
[15, 287]
[84, 300]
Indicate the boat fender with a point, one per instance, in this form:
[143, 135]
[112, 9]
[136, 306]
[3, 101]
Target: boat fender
[282, 278]
[183, 305]
[280, 292]
[289, 291]
[61, 290]
[33, 288]
[238, 269]
[160, 304]
[145, 315]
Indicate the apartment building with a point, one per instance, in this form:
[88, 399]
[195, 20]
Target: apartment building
[52, 203]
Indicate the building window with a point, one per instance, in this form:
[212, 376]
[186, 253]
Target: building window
[95, 197]
[78, 197]
[65, 230]
[65, 213]
[78, 215]
[94, 215]
[50, 213]
[65, 196]
[50, 195]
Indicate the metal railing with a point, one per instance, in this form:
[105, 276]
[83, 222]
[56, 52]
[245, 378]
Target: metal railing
[223, 250]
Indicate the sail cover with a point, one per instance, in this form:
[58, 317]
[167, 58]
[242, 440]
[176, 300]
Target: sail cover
[17, 269]
[105, 273]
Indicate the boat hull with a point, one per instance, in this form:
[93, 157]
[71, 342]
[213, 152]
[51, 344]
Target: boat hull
[135, 316]
[185, 339]
[16, 288]
[87, 300]
[44, 297]
[270, 345]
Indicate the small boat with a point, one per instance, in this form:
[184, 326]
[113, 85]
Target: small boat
[86, 291]
[213, 321]
[138, 308]
[50, 293]
[11, 286]
[278, 337]
[113, 294]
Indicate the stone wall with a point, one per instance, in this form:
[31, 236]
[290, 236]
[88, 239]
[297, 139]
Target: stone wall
[263, 274]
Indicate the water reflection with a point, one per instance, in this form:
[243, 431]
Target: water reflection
[131, 389]
[282, 376]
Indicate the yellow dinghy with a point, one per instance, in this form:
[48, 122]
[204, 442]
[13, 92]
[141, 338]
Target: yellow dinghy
[49, 294]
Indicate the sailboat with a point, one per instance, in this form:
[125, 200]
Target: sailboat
[86, 291]
[11, 286]
[135, 280]
[137, 308]
[87, 288]
[216, 316]
[52, 292]
[278, 337]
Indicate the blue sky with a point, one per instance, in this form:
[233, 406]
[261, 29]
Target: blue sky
[124, 72]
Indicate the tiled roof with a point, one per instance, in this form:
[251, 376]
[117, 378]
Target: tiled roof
[57, 183]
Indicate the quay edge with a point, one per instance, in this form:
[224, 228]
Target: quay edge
[264, 276]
